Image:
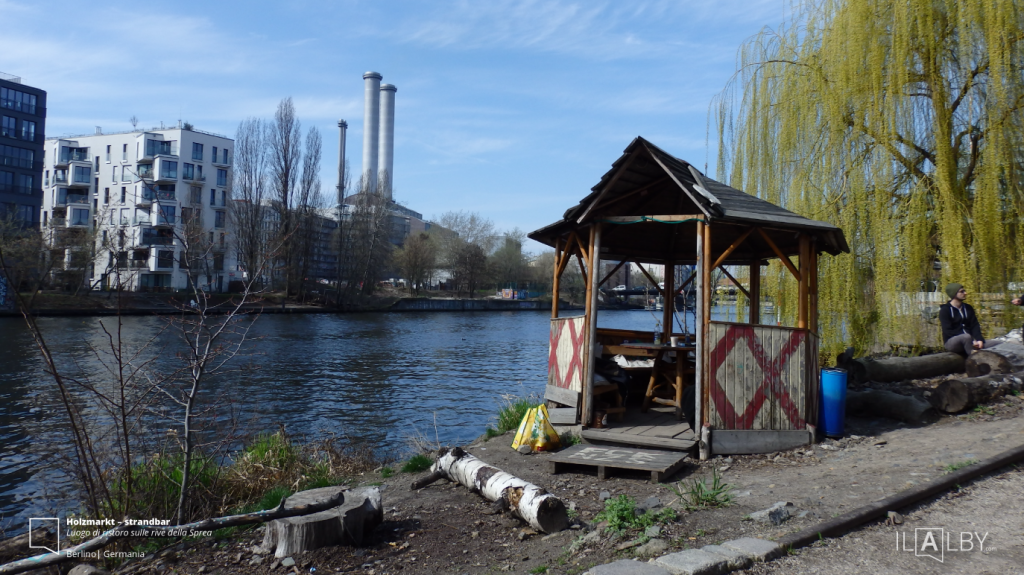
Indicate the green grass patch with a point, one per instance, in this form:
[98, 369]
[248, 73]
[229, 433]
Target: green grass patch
[417, 463]
[569, 438]
[539, 570]
[491, 433]
[620, 513]
[512, 410]
[274, 450]
[386, 472]
[701, 494]
[959, 465]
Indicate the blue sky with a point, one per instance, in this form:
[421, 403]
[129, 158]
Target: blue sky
[509, 109]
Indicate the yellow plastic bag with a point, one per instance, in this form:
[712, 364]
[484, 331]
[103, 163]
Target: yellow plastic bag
[535, 430]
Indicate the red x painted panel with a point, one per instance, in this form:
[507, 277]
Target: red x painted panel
[562, 368]
[771, 384]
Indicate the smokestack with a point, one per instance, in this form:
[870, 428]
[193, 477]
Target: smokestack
[371, 127]
[342, 132]
[387, 135]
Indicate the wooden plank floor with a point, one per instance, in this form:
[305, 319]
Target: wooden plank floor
[656, 428]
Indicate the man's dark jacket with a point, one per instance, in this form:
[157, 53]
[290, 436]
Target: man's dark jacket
[955, 322]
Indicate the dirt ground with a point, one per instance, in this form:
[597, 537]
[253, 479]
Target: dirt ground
[444, 528]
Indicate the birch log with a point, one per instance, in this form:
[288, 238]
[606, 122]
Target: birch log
[540, 509]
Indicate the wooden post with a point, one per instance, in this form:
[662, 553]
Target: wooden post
[668, 296]
[812, 285]
[805, 256]
[555, 282]
[593, 263]
[698, 328]
[754, 317]
[704, 350]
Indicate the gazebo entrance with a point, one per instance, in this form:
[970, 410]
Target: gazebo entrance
[750, 387]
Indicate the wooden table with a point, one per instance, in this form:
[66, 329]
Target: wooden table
[674, 378]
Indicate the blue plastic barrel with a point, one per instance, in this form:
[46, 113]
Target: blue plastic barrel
[833, 401]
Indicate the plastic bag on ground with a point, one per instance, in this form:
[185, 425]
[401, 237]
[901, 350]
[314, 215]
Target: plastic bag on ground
[535, 430]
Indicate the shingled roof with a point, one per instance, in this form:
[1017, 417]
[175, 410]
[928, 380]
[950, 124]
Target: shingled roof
[646, 182]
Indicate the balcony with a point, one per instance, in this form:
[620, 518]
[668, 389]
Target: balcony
[141, 220]
[14, 189]
[151, 237]
[65, 198]
[164, 220]
[150, 194]
[59, 178]
[145, 171]
[58, 222]
[138, 264]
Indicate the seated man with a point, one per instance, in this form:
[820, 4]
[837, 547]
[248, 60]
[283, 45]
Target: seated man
[960, 330]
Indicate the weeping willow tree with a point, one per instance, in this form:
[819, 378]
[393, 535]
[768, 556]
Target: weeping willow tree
[901, 122]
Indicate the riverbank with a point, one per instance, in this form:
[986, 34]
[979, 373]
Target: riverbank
[152, 304]
[444, 527]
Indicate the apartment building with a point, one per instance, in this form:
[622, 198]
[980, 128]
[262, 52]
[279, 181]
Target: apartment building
[125, 205]
[22, 125]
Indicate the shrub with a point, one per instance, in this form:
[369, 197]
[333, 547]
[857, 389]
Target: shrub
[417, 463]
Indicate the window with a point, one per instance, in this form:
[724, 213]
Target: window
[17, 100]
[72, 154]
[219, 218]
[113, 217]
[222, 234]
[6, 181]
[8, 127]
[106, 195]
[167, 214]
[46, 179]
[168, 170]
[82, 174]
[25, 214]
[124, 191]
[197, 152]
[124, 152]
[189, 171]
[165, 259]
[224, 198]
[225, 156]
[28, 131]
[96, 164]
[79, 216]
[196, 195]
[113, 174]
[23, 183]
[213, 197]
[214, 157]
[108, 154]
[126, 173]
[222, 177]
[218, 262]
[187, 215]
[125, 216]
[19, 157]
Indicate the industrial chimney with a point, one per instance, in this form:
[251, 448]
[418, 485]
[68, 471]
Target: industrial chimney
[387, 136]
[371, 127]
[342, 133]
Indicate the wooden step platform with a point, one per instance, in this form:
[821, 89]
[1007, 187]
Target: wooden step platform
[661, 464]
[658, 428]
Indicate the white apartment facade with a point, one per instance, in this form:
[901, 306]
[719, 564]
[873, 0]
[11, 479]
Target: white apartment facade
[145, 193]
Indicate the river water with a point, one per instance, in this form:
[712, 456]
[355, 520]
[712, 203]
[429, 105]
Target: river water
[378, 378]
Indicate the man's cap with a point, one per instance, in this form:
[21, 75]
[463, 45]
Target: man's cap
[952, 289]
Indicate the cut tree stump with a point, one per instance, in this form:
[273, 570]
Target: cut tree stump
[1007, 357]
[880, 403]
[540, 509]
[349, 523]
[955, 395]
[861, 371]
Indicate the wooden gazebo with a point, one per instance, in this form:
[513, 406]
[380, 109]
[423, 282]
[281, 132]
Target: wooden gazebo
[756, 385]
